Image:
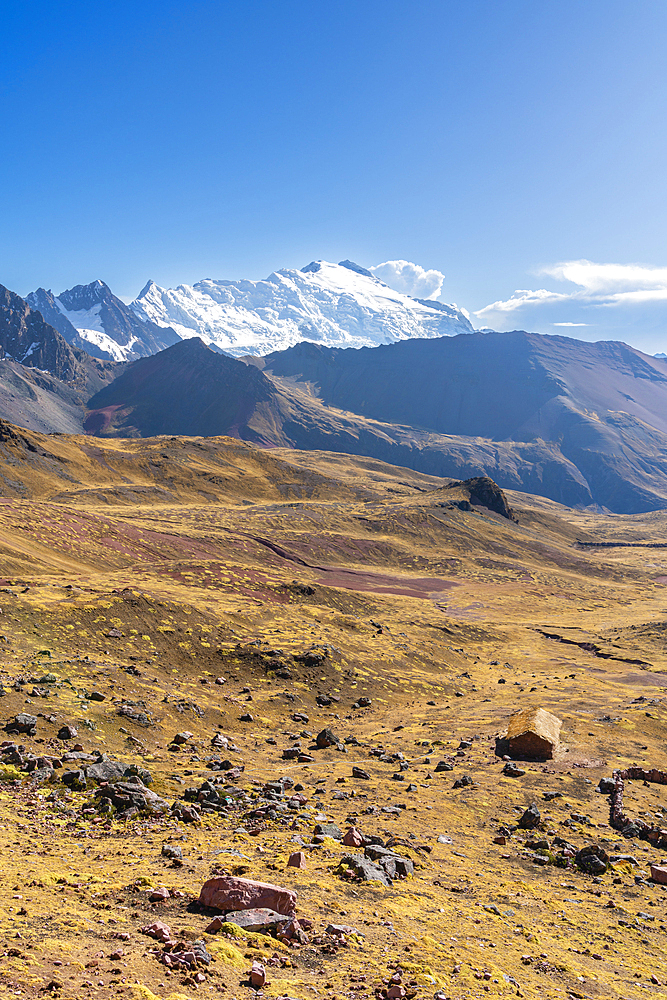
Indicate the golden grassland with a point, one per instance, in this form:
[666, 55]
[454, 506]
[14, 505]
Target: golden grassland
[203, 557]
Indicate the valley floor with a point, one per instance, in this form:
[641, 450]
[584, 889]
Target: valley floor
[200, 586]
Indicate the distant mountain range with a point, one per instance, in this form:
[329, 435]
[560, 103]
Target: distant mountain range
[580, 423]
[339, 305]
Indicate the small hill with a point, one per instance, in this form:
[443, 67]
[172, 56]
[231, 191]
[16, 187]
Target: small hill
[185, 389]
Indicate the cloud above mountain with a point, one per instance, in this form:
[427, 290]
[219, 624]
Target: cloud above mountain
[411, 279]
[596, 284]
[616, 301]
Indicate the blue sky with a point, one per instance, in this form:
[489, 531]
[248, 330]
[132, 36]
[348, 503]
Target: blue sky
[494, 142]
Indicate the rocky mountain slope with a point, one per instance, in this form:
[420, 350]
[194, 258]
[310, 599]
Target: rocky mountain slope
[92, 317]
[335, 304]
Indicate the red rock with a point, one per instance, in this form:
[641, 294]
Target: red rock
[214, 925]
[257, 975]
[659, 874]
[396, 992]
[116, 956]
[297, 860]
[353, 837]
[226, 892]
[159, 931]
[159, 895]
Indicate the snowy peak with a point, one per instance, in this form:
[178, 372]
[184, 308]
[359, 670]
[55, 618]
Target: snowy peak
[85, 296]
[92, 317]
[338, 305]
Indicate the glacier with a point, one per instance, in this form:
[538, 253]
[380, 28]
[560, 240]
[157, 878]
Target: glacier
[337, 305]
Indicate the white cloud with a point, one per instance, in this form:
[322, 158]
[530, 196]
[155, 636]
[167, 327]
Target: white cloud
[411, 279]
[609, 279]
[605, 285]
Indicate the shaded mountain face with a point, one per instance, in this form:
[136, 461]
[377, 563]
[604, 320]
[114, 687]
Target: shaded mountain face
[592, 416]
[333, 304]
[26, 337]
[44, 381]
[185, 389]
[92, 317]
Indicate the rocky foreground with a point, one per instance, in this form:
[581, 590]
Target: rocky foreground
[217, 778]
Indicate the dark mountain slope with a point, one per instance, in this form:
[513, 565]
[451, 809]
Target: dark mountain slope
[185, 389]
[505, 386]
[599, 409]
[44, 381]
[25, 337]
[189, 390]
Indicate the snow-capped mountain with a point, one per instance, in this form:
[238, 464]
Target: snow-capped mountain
[92, 317]
[337, 305]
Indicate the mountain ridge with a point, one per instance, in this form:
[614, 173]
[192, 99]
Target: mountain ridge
[94, 319]
[338, 304]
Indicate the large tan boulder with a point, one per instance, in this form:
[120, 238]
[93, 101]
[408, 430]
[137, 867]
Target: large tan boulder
[229, 893]
[533, 734]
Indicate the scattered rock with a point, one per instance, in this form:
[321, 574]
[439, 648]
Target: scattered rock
[257, 919]
[257, 975]
[228, 892]
[23, 723]
[358, 772]
[297, 860]
[67, 733]
[326, 739]
[171, 851]
[329, 830]
[354, 838]
[362, 868]
[592, 859]
[159, 931]
[659, 874]
[181, 738]
[533, 734]
[511, 770]
[530, 818]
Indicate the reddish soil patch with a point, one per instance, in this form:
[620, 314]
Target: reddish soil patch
[416, 586]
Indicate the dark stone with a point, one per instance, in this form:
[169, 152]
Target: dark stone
[67, 733]
[135, 770]
[394, 865]
[464, 782]
[105, 770]
[23, 723]
[511, 770]
[443, 765]
[531, 818]
[258, 919]
[326, 739]
[364, 868]
[358, 772]
[362, 702]
[606, 786]
[76, 780]
[593, 859]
